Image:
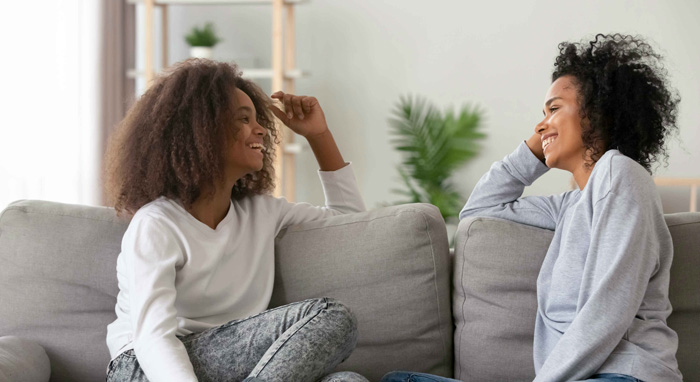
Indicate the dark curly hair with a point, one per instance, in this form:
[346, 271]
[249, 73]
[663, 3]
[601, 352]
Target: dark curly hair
[626, 101]
[171, 142]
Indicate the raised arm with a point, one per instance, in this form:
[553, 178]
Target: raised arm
[304, 116]
[498, 193]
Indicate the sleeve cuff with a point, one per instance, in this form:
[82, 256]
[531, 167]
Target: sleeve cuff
[340, 188]
[341, 172]
[527, 165]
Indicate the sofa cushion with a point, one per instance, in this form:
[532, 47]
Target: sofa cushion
[684, 290]
[391, 268]
[58, 282]
[22, 360]
[494, 296]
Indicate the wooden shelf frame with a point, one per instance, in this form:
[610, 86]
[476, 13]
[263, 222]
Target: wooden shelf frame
[283, 72]
[694, 183]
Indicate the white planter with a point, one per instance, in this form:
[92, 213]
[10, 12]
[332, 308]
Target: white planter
[200, 52]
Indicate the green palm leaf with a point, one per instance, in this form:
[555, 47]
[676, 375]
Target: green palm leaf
[434, 145]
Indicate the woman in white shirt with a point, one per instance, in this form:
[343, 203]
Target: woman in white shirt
[193, 163]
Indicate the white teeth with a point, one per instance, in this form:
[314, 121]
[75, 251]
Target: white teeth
[548, 141]
[257, 146]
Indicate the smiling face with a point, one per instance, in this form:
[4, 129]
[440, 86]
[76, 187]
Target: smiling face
[245, 151]
[560, 130]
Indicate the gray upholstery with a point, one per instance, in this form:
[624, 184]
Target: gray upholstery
[493, 297]
[58, 282]
[22, 360]
[494, 301]
[684, 291]
[391, 266]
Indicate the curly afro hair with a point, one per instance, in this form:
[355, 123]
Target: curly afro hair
[626, 101]
[171, 142]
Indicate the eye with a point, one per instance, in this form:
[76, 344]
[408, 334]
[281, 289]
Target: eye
[245, 120]
[553, 109]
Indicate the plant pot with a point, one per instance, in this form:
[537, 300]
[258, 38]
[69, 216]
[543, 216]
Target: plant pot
[200, 52]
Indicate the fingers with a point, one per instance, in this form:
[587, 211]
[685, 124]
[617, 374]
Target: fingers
[279, 114]
[307, 103]
[295, 105]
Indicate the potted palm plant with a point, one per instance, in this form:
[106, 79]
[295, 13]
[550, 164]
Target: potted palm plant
[202, 41]
[434, 144]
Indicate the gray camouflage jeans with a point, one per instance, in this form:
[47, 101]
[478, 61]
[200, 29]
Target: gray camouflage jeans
[299, 342]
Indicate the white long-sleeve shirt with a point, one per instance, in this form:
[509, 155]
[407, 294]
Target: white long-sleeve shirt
[602, 291]
[178, 276]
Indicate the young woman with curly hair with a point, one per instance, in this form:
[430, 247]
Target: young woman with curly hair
[192, 162]
[602, 290]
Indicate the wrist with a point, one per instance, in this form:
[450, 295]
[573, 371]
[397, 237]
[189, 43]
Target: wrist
[534, 143]
[318, 135]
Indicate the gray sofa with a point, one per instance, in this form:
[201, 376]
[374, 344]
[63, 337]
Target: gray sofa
[417, 309]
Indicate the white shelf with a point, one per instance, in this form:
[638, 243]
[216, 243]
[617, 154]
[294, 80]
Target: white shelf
[215, 2]
[247, 73]
[292, 148]
[267, 73]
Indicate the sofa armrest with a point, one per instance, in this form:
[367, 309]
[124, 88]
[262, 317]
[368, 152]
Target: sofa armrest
[22, 360]
[390, 266]
[494, 298]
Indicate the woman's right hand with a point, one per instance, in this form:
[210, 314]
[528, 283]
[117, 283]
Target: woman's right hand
[535, 145]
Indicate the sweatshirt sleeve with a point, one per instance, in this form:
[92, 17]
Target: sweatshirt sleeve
[623, 255]
[498, 193]
[342, 197]
[151, 257]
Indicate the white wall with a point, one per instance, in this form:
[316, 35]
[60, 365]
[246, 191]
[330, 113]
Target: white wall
[49, 116]
[364, 54]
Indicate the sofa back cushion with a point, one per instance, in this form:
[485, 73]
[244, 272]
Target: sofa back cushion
[58, 282]
[391, 267]
[684, 290]
[494, 296]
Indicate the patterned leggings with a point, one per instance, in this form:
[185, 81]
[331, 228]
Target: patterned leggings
[302, 342]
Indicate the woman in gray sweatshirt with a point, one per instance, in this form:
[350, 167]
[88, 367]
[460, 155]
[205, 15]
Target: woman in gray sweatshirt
[602, 290]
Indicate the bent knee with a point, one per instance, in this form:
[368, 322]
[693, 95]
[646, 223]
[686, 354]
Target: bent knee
[344, 376]
[339, 320]
[342, 314]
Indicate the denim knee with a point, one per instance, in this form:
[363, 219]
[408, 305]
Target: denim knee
[344, 376]
[343, 321]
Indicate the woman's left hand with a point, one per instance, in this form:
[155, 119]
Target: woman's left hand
[303, 114]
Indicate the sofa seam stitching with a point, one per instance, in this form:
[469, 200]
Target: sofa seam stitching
[352, 222]
[22, 210]
[437, 294]
[461, 283]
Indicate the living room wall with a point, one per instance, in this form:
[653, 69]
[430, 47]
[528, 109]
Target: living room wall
[364, 54]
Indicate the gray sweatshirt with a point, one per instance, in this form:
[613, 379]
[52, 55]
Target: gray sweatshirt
[602, 291]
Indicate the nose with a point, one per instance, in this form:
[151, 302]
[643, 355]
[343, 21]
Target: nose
[259, 130]
[540, 127]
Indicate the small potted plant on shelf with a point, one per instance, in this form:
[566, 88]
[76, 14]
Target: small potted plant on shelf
[202, 40]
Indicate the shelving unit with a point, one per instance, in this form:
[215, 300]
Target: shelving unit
[694, 183]
[283, 72]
